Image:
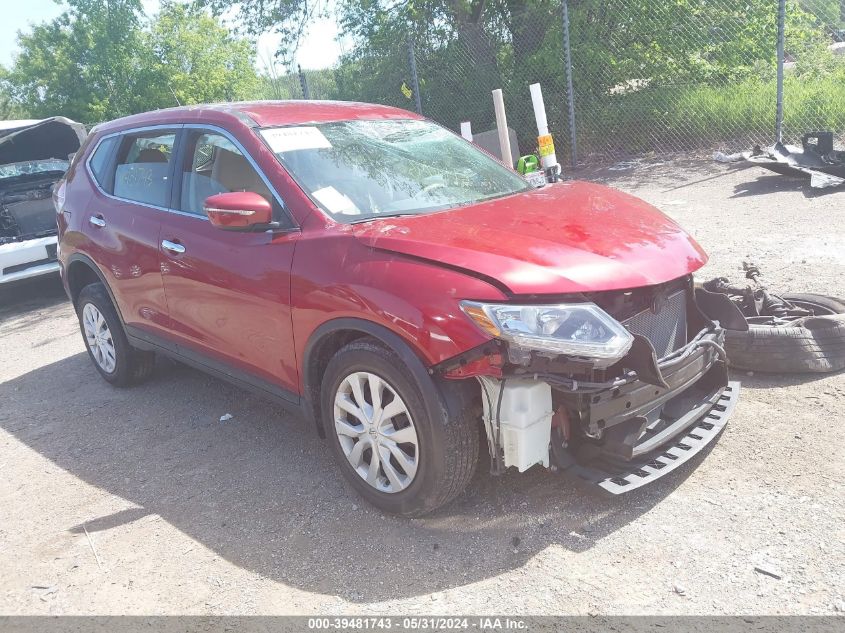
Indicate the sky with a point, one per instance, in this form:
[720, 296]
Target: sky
[319, 49]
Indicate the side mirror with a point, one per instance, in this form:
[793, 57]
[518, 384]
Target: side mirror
[238, 210]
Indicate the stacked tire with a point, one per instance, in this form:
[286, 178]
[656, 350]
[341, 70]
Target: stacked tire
[813, 344]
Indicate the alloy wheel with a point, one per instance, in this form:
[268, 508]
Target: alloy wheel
[99, 338]
[376, 432]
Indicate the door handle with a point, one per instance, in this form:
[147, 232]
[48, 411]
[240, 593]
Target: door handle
[97, 220]
[172, 247]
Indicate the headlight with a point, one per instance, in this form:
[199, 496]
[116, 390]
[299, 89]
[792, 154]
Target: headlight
[574, 329]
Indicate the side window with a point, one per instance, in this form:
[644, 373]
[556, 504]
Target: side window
[100, 160]
[213, 164]
[143, 165]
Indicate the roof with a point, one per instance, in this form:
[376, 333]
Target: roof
[269, 113]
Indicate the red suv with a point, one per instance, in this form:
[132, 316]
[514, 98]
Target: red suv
[409, 294]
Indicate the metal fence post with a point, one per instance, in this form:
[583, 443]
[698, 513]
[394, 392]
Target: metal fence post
[415, 81]
[780, 54]
[303, 83]
[570, 94]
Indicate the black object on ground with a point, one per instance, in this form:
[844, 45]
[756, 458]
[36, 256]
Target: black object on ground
[815, 158]
[788, 332]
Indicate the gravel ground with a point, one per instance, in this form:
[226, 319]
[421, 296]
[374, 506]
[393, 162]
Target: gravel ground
[141, 501]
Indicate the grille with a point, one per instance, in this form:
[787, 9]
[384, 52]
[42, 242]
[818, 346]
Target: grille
[665, 329]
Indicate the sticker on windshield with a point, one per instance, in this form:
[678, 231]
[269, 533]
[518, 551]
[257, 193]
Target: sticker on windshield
[336, 202]
[290, 139]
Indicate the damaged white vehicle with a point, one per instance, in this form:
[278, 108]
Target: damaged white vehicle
[34, 155]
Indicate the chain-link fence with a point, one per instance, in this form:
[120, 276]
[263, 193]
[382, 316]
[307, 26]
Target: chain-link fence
[645, 76]
[683, 75]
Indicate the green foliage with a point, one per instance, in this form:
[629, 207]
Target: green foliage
[188, 57]
[288, 18]
[635, 61]
[99, 60]
[9, 109]
[81, 63]
[682, 117]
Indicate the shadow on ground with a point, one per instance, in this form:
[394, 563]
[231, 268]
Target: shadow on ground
[261, 490]
[774, 183]
[23, 299]
[667, 174]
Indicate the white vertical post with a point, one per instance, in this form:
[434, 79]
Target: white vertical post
[539, 109]
[502, 125]
[544, 139]
[466, 130]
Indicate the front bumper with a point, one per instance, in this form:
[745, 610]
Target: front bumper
[648, 431]
[617, 476]
[27, 259]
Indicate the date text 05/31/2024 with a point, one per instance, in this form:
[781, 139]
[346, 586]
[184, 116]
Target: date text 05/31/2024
[420, 623]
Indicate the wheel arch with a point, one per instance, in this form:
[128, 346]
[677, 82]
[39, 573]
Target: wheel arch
[331, 336]
[82, 271]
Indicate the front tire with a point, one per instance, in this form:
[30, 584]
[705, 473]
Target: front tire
[385, 441]
[114, 358]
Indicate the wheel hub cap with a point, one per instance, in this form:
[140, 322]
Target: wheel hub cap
[98, 337]
[376, 432]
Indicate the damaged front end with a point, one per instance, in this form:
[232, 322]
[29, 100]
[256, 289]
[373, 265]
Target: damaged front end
[26, 199]
[617, 387]
[34, 156]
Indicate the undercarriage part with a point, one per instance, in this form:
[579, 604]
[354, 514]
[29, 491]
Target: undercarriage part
[518, 419]
[819, 161]
[755, 302]
[787, 332]
[720, 309]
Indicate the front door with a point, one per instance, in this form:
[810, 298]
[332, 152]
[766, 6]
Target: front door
[228, 293]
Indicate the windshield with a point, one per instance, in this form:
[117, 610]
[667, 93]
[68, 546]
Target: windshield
[360, 170]
[26, 168]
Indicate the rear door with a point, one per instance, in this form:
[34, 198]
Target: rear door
[228, 293]
[134, 175]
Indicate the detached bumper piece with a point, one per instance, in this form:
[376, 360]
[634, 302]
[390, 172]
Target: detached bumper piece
[617, 476]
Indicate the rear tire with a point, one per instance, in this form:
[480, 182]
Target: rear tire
[816, 345]
[440, 454]
[114, 358]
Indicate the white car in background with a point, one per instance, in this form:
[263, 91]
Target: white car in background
[34, 155]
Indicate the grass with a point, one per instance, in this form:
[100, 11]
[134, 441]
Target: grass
[698, 116]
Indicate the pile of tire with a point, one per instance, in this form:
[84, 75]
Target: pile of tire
[814, 344]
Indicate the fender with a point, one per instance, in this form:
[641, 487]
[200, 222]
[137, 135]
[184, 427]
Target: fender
[437, 402]
[79, 257]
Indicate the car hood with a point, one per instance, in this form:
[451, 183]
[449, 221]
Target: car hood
[33, 140]
[563, 238]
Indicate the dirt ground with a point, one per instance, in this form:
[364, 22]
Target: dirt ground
[141, 501]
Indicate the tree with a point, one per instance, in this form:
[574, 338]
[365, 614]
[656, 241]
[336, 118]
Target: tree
[9, 110]
[82, 64]
[188, 57]
[100, 60]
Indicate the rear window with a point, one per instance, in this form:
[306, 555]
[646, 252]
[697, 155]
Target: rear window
[143, 166]
[100, 160]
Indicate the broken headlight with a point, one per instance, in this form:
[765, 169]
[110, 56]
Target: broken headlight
[572, 329]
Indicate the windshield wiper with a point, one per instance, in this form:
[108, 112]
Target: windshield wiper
[383, 216]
